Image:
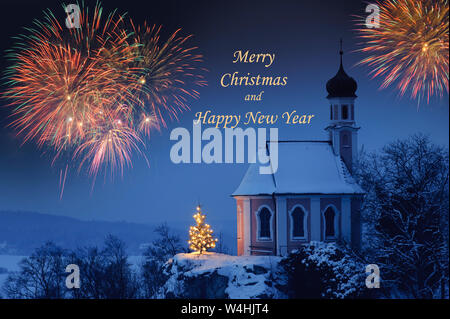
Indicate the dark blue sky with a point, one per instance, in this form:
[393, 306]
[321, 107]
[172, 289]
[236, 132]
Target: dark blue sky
[304, 35]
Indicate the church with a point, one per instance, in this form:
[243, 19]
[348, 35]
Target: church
[312, 196]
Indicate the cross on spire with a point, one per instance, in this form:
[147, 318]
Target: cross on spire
[340, 51]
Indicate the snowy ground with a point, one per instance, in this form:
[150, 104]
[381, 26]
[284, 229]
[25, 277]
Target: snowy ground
[208, 261]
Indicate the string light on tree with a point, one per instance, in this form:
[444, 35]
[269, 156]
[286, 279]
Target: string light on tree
[201, 238]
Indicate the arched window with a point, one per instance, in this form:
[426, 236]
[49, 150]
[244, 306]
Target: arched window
[264, 223]
[298, 222]
[345, 112]
[331, 112]
[329, 217]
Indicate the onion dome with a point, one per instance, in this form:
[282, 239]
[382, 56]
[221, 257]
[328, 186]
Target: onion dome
[341, 85]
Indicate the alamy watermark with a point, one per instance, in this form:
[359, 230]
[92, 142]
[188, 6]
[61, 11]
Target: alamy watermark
[373, 278]
[73, 280]
[73, 16]
[259, 150]
[373, 19]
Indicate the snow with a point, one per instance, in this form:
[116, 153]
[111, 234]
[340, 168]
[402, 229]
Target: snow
[211, 260]
[244, 281]
[303, 168]
[348, 272]
[255, 183]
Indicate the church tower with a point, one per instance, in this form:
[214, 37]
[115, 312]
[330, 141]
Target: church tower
[342, 128]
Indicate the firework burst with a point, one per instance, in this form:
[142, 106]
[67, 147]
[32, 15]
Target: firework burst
[164, 71]
[409, 49]
[94, 92]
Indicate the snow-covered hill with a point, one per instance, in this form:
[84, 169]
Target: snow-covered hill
[315, 270]
[213, 275]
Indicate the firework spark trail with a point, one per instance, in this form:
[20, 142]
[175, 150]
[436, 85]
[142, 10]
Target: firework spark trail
[62, 181]
[96, 91]
[410, 47]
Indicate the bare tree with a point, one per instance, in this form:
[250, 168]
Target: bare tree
[157, 254]
[105, 273]
[406, 215]
[120, 280]
[42, 275]
[92, 273]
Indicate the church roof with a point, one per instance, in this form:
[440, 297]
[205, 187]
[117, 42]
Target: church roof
[304, 167]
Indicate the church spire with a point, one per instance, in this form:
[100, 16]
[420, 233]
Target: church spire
[341, 85]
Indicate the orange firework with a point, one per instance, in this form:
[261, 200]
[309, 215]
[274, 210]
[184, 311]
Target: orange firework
[165, 69]
[93, 91]
[409, 49]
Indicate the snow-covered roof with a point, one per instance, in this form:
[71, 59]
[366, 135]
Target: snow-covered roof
[304, 167]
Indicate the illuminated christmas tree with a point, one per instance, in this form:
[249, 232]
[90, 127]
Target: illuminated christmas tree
[200, 236]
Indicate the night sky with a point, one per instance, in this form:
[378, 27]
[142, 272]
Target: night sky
[304, 35]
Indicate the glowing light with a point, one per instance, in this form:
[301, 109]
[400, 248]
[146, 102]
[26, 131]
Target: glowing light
[201, 235]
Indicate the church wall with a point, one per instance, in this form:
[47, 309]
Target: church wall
[240, 226]
[266, 245]
[345, 142]
[291, 203]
